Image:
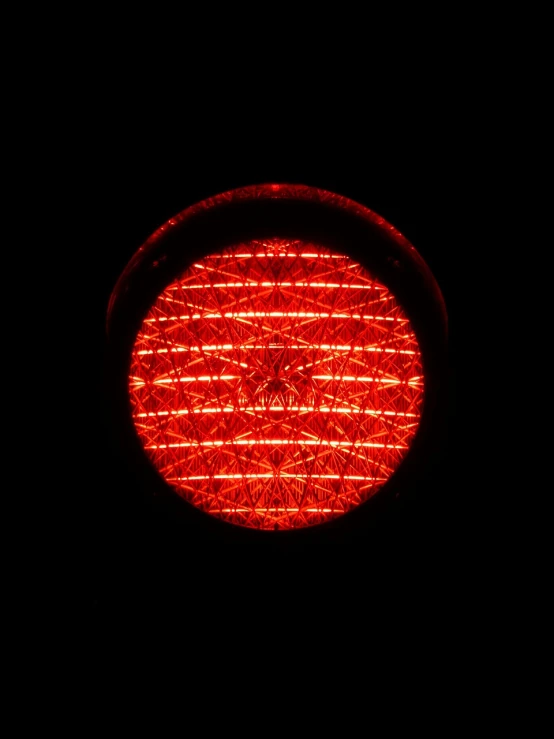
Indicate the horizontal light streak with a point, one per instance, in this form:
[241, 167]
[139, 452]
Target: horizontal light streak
[273, 314]
[337, 378]
[230, 347]
[253, 283]
[276, 510]
[276, 442]
[271, 476]
[172, 380]
[277, 409]
[382, 380]
[310, 255]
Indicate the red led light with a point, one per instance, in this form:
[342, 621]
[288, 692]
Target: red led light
[276, 384]
[276, 354]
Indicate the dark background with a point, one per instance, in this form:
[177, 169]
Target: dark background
[132, 554]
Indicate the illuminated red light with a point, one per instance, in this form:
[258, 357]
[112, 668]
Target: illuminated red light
[275, 382]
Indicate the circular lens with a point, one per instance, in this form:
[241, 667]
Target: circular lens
[276, 384]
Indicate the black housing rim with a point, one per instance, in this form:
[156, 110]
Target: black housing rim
[370, 241]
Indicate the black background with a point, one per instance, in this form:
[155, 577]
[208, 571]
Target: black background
[131, 555]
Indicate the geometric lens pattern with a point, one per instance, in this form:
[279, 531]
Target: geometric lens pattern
[276, 384]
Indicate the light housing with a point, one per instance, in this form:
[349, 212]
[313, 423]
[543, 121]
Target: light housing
[276, 354]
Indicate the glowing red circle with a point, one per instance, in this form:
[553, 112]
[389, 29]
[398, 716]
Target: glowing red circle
[276, 384]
